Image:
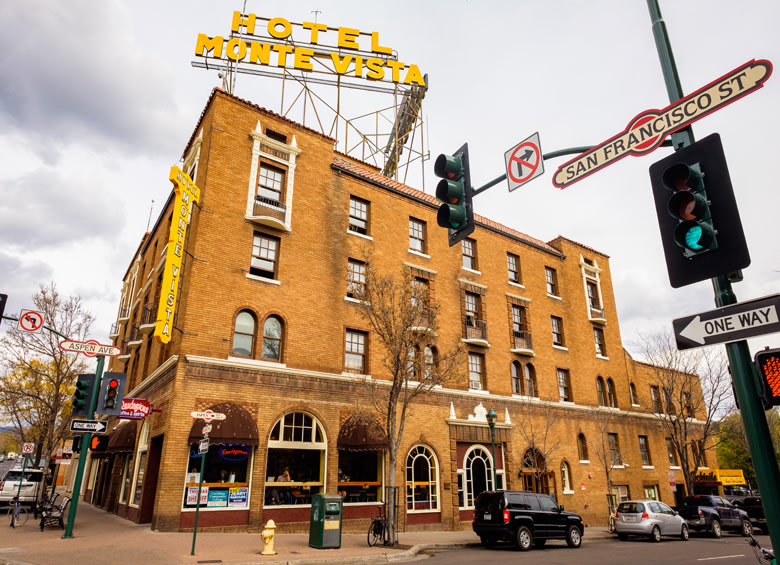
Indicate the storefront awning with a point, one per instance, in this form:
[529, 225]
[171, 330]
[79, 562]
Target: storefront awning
[123, 438]
[362, 434]
[237, 427]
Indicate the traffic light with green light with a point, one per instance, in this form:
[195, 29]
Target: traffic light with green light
[697, 213]
[82, 396]
[455, 191]
[768, 365]
[112, 390]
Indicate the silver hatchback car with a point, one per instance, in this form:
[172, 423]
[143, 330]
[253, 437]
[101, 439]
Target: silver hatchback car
[649, 518]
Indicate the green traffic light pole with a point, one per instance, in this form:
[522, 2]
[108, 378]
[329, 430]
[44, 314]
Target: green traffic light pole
[743, 372]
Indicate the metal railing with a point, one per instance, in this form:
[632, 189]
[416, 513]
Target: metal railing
[474, 328]
[267, 207]
[522, 340]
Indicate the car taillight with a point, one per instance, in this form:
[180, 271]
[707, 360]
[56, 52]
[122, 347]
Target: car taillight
[2, 484]
[645, 515]
[506, 516]
[701, 514]
[617, 515]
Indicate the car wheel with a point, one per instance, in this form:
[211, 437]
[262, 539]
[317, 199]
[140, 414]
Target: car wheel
[524, 538]
[488, 541]
[715, 529]
[747, 528]
[655, 534]
[573, 537]
[622, 537]
[684, 535]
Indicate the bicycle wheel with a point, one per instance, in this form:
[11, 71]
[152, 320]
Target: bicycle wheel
[374, 532]
[20, 515]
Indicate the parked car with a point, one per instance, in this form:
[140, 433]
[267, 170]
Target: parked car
[525, 519]
[755, 510]
[32, 484]
[2, 458]
[649, 518]
[713, 514]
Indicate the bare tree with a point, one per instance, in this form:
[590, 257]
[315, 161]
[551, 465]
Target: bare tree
[38, 377]
[538, 420]
[403, 317]
[690, 388]
[606, 448]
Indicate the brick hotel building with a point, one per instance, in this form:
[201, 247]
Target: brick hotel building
[266, 333]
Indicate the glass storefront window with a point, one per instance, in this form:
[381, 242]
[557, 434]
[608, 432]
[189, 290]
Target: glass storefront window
[225, 477]
[140, 465]
[360, 475]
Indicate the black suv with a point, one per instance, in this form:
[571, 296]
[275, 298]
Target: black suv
[524, 518]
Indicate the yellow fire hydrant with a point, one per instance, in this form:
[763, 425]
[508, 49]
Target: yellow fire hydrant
[268, 538]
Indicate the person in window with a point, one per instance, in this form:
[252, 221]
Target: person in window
[284, 496]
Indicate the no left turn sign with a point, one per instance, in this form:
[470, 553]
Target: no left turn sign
[31, 321]
[524, 162]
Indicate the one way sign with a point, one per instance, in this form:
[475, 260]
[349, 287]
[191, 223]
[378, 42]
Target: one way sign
[730, 323]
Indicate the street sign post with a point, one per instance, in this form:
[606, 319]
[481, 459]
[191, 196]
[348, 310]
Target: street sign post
[90, 348]
[28, 448]
[730, 323]
[524, 162]
[96, 426]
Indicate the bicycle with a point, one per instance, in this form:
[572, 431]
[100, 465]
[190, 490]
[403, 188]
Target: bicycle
[17, 514]
[611, 522]
[763, 555]
[377, 528]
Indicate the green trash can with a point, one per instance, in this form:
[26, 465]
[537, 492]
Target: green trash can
[325, 523]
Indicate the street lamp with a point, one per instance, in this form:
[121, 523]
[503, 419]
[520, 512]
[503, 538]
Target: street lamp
[491, 419]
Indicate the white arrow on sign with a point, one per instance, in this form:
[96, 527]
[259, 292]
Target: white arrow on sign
[697, 330]
[208, 415]
[88, 426]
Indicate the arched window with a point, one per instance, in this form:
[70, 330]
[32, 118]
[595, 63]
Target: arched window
[430, 358]
[422, 486]
[272, 338]
[566, 478]
[244, 334]
[582, 447]
[632, 392]
[611, 396]
[530, 380]
[600, 391]
[476, 476]
[516, 370]
[298, 446]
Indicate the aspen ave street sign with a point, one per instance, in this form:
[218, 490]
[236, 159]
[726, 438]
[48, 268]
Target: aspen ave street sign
[90, 348]
[646, 132]
[730, 323]
[96, 426]
[208, 415]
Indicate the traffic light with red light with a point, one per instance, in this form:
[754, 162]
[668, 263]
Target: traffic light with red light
[112, 390]
[82, 396]
[98, 443]
[698, 216]
[455, 191]
[768, 365]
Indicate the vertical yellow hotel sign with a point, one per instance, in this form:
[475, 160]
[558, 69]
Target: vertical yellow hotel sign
[186, 194]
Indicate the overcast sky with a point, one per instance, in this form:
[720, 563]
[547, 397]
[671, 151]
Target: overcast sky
[99, 98]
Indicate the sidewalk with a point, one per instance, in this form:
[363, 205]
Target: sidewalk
[102, 538]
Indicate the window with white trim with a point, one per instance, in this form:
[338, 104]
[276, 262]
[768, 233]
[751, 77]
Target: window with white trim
[422, 484]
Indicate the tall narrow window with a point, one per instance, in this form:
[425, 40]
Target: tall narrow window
[469, 251]
[565, 477]
[601, 343]
[265, 251]
[356, 278]
[358, 215]
[530, 380]
[551, 277]
[671, 453]
[272, 338]
[564, 386]
[244, 334]
[269, 185]
[422, 491]
[513, 266]
[655, 398]
[417, 235]
[557, 330]
[600, 392]
[644, 450]
[355, 352]
[593, 295]
[517, 380]
[582, 447]
[611, 394]
[614, 449]
[521, 337]
[476, 375]
[632, 392]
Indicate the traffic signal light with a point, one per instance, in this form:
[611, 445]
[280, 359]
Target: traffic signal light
[82, 396]
[768, 365]
[457, 212]
[112, 390]
[700, 227]
[76, 445]
[3, 300]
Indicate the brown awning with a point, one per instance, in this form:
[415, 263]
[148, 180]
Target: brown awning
[123, 438]
[237, 427]
[362, 433]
